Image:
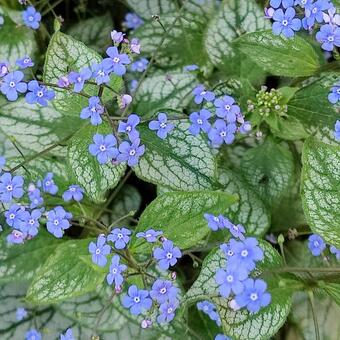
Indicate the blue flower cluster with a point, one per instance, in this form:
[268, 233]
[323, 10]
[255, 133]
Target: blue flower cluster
[25, 218]
[317, 246]
[161, 302]
[290, 16]
[242, 253]
[230, 119]
[12, 84]
[210, 309]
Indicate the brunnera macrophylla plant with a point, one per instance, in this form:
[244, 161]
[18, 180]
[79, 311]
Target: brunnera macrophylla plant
[174, 174]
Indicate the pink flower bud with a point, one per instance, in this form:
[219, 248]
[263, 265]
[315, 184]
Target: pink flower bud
[126, 100]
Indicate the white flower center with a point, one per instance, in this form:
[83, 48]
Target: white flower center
[79, 79]
[128, 128]
[12, 216]
[30, 18]
[163, 290]
[31, 221]
[169, 255]
[244, 253]
[230, 278]
[216, 219]
[338, 91]
[203, 93]
[26, 61]
[227, 107]
[284, 22]
[56, 222]
[73, 189]
[136, 299]
[230, 253]
[101, 73]
[132, 152]
[314, 10]
[330, 38]
[169, 310]
[114, 271]
[9, 187]
[163, 125]
[120, 235]
[116, 60]
[199, 121]
[97, 251]
[102, 148]
[223, 133]
[47, 183]
[40, 94]
[12, 84]
[253, 297]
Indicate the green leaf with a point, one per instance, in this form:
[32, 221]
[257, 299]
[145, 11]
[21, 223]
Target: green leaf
[320, 189]
[233, 19]
[278, 55]
[327, 313]
[310, 106]
[163, 92]
[93, 32]
[64, 275]
[269, 169]
[22, 262]
[147, 8]
[180, 215]
[180, 162]
[35, 127]
[242, 325]
[65, 54]
[249, 211]
[93, 177]
[15, 41]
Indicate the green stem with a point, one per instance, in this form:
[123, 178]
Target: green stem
[315, 320]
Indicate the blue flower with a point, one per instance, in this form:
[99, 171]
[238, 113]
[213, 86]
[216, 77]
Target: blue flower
[58, 221]
[149, 235]
[214, 222]
[132, 21]
[245, 128]
[100, 73]
[15, 215]
[117, 61]
[334, 95]
[328, 36]
[230, 280]
[285, 22]
[34, 196]
[284, 3]
[222, 133]
[99, 251]
[236, 230]
[48, 184]
[16, 237]
[31, 17]
[130, 153]
[210, 309]
[201, 93]
[130, 126]
[133, 85]
[222, 337]
[93, 111]
[163, 290]
[168, 255]
[117, 37]
[140, 65]
[115, 272]
[33, 334]
[226, 109]
[4, 69]
[135, 46]
[227, 248]
[10, 187]
[246, 253]
[120, 237]
[21, 313]
[38, 94]
[316, 244]
[68, 335]
[25, 62]
[73, 192]
[104, 148]
[199, 121]
[161, 125]
[12, 84]
[254, 295]
[167, 310]
[137, 300]
[337, 131]
[78, 79]
[302, 3]
[190, 68]
[31, 222]
[335, 251]
[314, 11]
